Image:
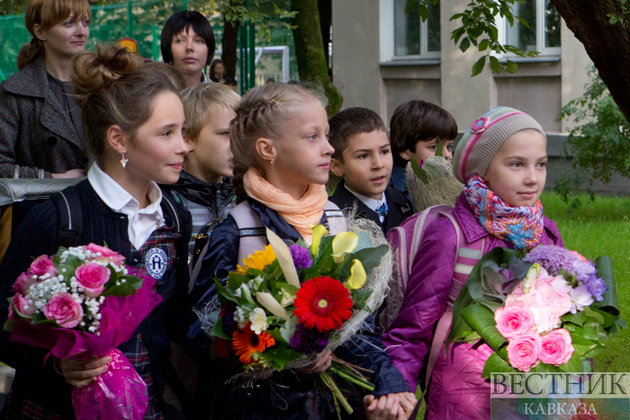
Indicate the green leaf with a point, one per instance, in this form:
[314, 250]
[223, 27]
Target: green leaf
[439, 152]
[496, 364]
[544, 368]
[217, 331]
[478, 66]
[125, 289]
[481, 319]
[225, 294]
[483, 45]
[606, 270]
[595, 315]
[581, 345]
[578, 318]
[573, 365]
[369, 257]
[280, 356]
[420, 173]
[494, 63]
[465, 44]
[512, 67]
[411, 4]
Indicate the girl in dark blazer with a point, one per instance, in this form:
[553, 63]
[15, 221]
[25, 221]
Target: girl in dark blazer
[135, 138]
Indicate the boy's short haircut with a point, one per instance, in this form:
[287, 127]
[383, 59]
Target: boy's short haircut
[416, 121]
[200, 101]
[351, 122]
[230, 81]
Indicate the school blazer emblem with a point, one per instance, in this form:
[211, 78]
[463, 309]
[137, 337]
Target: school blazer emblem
[156, 262]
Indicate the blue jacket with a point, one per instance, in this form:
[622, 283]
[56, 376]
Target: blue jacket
[286, 395]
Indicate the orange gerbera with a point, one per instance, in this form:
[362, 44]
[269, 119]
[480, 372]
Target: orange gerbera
[259, 260]
[323, 302]
[246, 343]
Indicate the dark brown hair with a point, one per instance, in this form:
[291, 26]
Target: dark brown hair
[113, 87]
[350, 122]
[416, 121]
[182, 22]
[46, 14]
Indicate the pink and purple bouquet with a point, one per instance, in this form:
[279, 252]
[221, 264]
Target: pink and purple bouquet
[545, 311]
[82, 303]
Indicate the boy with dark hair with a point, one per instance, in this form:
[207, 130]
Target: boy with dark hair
[416, 129]
[363, 157]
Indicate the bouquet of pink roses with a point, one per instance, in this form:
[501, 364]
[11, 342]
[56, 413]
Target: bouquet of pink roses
[82, 303]
[545, 311]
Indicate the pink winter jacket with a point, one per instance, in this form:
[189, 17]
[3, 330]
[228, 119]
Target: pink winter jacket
[457, 389]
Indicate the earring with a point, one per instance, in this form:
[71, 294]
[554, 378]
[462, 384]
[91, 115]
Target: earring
[273, 163]
[124, 161]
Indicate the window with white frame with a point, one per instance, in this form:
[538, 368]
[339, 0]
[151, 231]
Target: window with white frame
[543, 34]
[412, 36]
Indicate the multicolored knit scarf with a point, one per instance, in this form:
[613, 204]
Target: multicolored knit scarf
[522, 226]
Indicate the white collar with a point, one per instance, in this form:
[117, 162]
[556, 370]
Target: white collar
[370, 202]
[116, 197]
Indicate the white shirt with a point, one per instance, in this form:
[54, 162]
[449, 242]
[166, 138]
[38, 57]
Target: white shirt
[370, 202]
[142, 222]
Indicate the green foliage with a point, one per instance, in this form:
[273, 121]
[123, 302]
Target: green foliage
[479, 29]
[599, 143]
[622, 19]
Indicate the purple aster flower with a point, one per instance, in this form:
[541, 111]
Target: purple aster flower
[597, 287]
[552, 258]
[301, 256]
[229, 324]
[309, 341]
[555, 259]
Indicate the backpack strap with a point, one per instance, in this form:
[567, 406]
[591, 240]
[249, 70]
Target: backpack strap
[70, 216]
[171, 212]
[251, 232]
[466, 258]
[336, 219]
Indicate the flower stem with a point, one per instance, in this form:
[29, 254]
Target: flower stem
[363, 384]
[330, 383]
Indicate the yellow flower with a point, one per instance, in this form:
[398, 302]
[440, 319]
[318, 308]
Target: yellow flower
[319, 232]
[342, 244]
[258, 261]
[357, 275]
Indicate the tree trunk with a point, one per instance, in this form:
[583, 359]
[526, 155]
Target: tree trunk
[607, 45]
[229, 42]
[309, 51]
[325, 21]
[229, 45]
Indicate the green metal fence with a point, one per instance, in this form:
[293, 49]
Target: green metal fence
[273, 55]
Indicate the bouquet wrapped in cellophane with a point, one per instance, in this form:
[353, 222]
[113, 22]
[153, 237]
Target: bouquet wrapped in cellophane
[545, 311]
[82, 303]
[286, 304]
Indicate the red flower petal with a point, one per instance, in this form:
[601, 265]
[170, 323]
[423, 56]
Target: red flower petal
[323, 302]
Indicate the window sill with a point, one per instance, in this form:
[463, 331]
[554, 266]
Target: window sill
[398, 62]
[538, 59]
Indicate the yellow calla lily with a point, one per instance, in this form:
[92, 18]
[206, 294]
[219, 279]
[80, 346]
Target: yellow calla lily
[271, 304]
[342, 244]
[357, 275]
[319, 232]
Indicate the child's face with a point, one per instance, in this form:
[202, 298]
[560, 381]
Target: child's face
[156, 153]
[518, 171]
[211, 151]
[303, 152]
[427, 149]
[367, 164]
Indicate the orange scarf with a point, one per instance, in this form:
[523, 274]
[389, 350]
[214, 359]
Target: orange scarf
[300, 214]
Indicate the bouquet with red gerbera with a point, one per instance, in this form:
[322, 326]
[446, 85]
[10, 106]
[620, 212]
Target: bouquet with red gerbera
[82, 303]
[286, 304]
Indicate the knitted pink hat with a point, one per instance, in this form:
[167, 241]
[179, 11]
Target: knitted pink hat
[485, 136]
